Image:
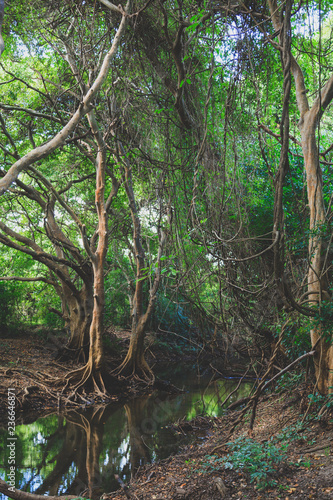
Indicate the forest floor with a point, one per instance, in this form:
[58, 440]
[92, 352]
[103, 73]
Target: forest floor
[291, 460]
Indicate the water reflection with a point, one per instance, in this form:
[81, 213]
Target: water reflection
[76, 452]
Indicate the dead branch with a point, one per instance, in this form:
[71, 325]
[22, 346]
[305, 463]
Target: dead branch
[287, 368]
[253, 401]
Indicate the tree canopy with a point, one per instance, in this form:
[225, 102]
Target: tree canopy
[168, 163]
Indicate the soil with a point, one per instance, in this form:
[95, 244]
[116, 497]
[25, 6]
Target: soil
[196, 473]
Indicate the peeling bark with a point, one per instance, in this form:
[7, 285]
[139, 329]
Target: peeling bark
[92, 374]
[78, 317]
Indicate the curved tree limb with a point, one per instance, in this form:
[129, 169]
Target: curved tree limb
[30, 112]
[85, 106]
[46, 259]
[302, 100]
[111, 6]
[66, 206]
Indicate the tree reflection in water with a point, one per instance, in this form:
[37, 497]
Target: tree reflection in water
[82, 451]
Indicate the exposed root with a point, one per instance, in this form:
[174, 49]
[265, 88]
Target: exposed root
[138, 372]
[74, 388]
[83, 381]
[82, 377]
[65, 354]
[26, 392]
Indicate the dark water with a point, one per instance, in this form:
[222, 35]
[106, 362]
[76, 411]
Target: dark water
[66, 454]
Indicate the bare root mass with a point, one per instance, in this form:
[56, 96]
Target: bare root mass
[135, 371]
[79, 386]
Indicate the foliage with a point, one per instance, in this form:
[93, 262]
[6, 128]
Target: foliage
[296, 340]
[14, 312]
[318, 403]
[290, 433]
[117, 309]
[289, 381]
[198, 114]
[171, 316]
[259, 460]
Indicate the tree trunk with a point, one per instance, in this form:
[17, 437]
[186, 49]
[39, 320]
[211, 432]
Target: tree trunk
[96, 361]
[91, 375]
[2, 8]
[317, 282]
[134, 362]
[77, 314]
[318, 287]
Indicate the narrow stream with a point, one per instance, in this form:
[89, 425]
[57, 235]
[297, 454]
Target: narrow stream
[68, 453]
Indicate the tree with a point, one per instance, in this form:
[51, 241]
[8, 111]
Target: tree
[134, 362]
[85, 305]
[318, 285]
[174, 119]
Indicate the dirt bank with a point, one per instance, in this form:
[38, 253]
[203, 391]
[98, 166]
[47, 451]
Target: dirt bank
[303, 468]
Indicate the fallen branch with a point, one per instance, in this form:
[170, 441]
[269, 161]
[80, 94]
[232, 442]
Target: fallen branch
[221, 486]
[287, 368]
[15, 494]
[123, 486]
[237, 403]
[235, 390]
[317, 448]
[262, 386]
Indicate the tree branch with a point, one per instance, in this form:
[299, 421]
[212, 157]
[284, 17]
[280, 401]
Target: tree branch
[68, 209]
[278, 136]
[302, 100]
[287, 368]
[19, 278]
[30, 248]
[2, 8]
[323, 100]
[30, 112]
[111, 6]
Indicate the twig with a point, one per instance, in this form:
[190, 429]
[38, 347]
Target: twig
[235, 390]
